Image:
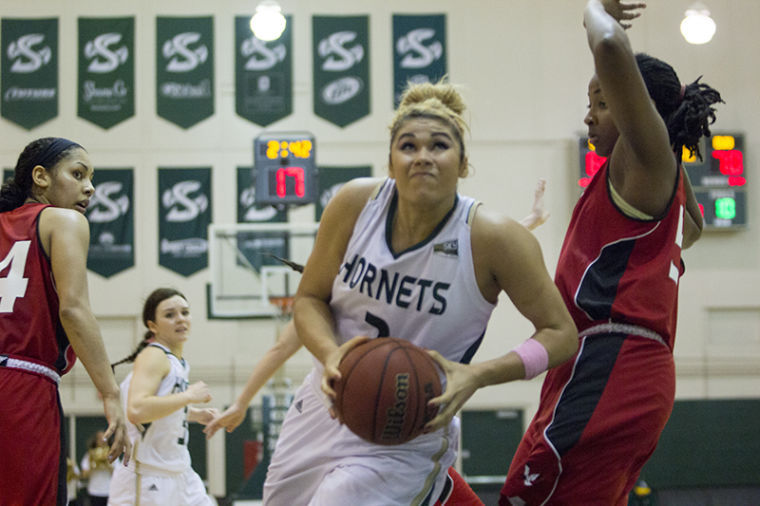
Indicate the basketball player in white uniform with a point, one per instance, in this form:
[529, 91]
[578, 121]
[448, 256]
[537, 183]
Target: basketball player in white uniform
[408, 257]
[157, 396]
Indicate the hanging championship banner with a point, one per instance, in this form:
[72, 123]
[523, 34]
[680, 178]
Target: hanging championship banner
[111, 216]
[184, 69]
[330, 181]
[419, 50]
[29, 71]
[256, 246]
[247, 210]
[184, 213]
[106, 81]
[263, 74]
[341, 68]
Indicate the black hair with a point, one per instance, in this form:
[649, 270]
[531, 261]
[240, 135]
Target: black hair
[47, 152]
[156, 297]
[688, 114]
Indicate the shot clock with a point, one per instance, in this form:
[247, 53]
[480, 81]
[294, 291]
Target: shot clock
[285, 171]
[718, 179]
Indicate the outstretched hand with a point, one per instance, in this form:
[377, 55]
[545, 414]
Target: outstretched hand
[623, 12]
[461, 383]
[229, 420]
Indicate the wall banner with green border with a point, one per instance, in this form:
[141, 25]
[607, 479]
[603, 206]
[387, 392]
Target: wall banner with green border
[106, 84]
[341, 68]
[263, 74]
[112, 222]
[184, 69]
[330, 181]
[419, 50]
[29, 71]
[256, 246]
[184, 213]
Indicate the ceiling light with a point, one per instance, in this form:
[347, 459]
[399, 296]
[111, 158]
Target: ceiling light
[697, 26]
[268, 23]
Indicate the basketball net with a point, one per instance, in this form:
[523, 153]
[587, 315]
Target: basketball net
[284, 305]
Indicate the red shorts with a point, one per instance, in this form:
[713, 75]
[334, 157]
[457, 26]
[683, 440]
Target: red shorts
[598, 422]
[457, 492]
[32, 466]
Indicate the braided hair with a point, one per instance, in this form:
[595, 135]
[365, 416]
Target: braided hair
[687, 109]
[156, 297]
[47, 152]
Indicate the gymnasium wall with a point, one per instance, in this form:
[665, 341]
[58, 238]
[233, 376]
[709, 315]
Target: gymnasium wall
[524, 68]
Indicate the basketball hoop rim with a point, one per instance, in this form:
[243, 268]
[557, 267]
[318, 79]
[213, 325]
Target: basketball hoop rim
[283, 303]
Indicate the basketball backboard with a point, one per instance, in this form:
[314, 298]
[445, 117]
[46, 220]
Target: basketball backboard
[246, 270]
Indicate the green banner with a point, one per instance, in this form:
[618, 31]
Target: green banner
[184, 213]
[112, 222]
[257, 246]
[106, 81]
[184, 69]
[29, 71]
[341, 68]
[263, 74]
[330, 181]
[8, 174]
[247, 210]
[419, 50]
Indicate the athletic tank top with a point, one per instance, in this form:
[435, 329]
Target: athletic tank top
[613, 268]
[426, 294]
[30, 327]
[163, 442]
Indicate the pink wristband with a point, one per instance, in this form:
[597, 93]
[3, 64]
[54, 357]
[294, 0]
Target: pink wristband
[534, 356]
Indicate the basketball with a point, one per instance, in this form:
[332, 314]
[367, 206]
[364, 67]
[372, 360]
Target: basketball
[384, 390]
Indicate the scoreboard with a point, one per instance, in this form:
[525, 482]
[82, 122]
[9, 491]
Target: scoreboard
[719, 179]
[285, 170]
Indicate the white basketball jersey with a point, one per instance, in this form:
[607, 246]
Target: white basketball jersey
[426, 294]
[163, 442]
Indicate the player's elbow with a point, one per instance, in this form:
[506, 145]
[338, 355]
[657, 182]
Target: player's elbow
[136, 414]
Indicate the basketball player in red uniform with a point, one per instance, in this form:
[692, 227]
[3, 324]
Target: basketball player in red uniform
[45, 319]
[601, 414]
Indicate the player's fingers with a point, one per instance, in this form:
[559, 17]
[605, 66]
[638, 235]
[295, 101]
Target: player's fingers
[210, 430]
[109, 431]
[327, 385]
[439, 359]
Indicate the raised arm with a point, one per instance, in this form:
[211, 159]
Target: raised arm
[643, 165]
[287, 344]
[538, 213]
[66, 237]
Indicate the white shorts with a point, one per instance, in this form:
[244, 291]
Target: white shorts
[318, 462]
[165, 489]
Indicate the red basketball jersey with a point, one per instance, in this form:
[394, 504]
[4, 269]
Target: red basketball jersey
[30, 327]
[626, 270]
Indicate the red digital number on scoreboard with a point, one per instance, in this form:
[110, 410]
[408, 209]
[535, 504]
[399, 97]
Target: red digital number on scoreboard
[282, 175]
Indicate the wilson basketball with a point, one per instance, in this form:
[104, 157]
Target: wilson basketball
[384, 390]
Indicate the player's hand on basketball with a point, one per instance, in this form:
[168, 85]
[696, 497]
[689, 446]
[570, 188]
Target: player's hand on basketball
[117, 430]
[623, 12]
[229, 419]
[461, 383]
[332, 373]
[198, 392]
